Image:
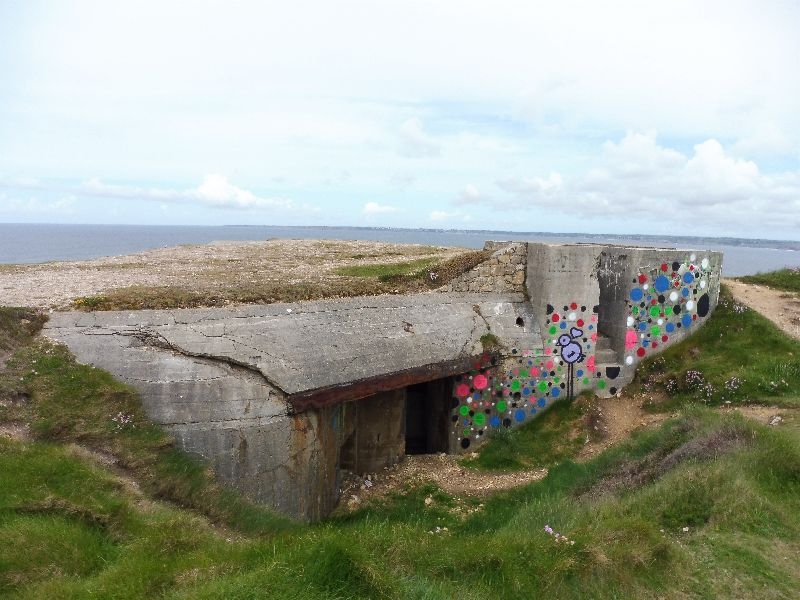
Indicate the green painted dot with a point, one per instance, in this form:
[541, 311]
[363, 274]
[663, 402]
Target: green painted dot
[553, 329]
[464, 410]
[601, 385]
[501, 406]
[467, 432]
[635, 310]
[515, 385]
[556, 380]
[654, 311]
[479, 419]
[585, 381]
[668, 310]
[542, 386]
[523, 372]
[655, 330]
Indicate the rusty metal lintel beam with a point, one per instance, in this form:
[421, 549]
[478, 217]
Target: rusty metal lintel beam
[346, 392]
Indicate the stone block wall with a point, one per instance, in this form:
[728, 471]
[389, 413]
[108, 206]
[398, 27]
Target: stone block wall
[503, 272]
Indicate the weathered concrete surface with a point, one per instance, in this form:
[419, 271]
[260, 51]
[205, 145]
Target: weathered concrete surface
[305, 346]
[220, 379]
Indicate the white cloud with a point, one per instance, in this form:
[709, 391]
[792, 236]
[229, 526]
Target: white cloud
[638, 179]
[471, 195]
[415, 142]
[35, 206]
[373, 208]
[215, 191]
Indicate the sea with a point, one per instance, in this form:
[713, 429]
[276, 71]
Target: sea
[39, 243]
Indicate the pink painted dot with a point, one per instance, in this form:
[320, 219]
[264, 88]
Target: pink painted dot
[594, 318]
[534, 372]
[548, 351]
[593, 337]
[590, 364]
[630, 339]
[480, 382]
[462, 390]
[549, 365]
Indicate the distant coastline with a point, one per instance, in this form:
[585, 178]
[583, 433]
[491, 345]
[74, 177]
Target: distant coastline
[36, 243]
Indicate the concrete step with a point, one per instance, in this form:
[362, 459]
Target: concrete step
[602, 343]
[605, 356]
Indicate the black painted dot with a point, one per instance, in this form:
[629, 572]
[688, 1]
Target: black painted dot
[552, 373]
[454, 418]
[676, 265]
[487, 411]
[465, 443]
[517, 395]
[472, 413]
[563, 386]
[596, 308]
[613, 390]
[642, 304]
[513, 351]
[676, 309]
[550, 309]
[583, 309]
[703, 305]
[612, 372]
[506, 422]
[661, 299]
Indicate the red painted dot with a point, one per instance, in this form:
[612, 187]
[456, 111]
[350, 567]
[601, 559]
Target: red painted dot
[579, 322]
[665, 338]
[694, 317]
[555, 318]
[653, 302]
[655, 345]
[574, 305]
[664, 267]
[642, 278]
[640, 352]
[462, 390]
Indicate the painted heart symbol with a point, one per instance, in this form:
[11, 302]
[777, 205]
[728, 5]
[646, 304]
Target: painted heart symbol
[575, 332]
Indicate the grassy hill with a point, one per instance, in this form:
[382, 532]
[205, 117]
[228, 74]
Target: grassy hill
[96, 502]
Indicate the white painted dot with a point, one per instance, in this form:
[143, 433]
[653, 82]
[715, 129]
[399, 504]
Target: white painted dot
[631, 321]
[660, 321]
[641, 335]
[646, 286]
[703, 284]
[673, 296]
[693, 257]
[704, 263]
[571, 316]
[629, 360]
[690, 305]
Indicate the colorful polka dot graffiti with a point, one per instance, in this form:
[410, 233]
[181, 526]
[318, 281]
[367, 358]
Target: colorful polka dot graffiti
[485, 398]
[662, 302]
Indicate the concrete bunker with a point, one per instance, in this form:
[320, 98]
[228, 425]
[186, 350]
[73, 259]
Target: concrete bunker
[279, 399]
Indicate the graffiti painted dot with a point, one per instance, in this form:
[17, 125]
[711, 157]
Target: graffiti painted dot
[515, 385]
[585, 381]
[688, 277]
[479, 419]
[494, 421]
[542, 386]
[667, 311]
[580, 323]
[555, 318]
[574, 306]
[519, 416]
[673, 296]
[690, 305]
[563, 325]
[661, 283]
[670, 327]
[480, 382]
[665, 338]
[629, 360]
[704, 263]
[664, 267]
[654, 311]
[687, 320]
[601, 384]
[642, 277]
[462, 390]
[685, 292]
[703, 305]
[636, 294]
[555, 392]
[464, 410]
[501, 406]
[655, 330]
[640, 352]
[630, 321]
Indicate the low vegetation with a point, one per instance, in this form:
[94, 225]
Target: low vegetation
[738, 357]
[785, 279]
[703, 506]
[347, 281]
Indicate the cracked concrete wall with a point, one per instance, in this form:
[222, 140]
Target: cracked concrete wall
[225, 414]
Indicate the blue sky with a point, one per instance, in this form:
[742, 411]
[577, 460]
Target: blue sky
[622, 117]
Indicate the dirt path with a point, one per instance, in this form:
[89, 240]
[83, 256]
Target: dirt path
[782, 308]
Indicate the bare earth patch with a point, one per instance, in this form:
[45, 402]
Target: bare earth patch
[780, 307]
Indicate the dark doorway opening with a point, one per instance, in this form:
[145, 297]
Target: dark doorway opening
[428, 417]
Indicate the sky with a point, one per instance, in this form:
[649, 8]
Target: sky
[664, 118]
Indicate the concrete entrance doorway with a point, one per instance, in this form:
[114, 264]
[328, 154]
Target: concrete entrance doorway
[428, 408]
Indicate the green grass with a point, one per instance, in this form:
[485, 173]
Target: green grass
[737, 357]
[70, 528]
[784, 279]
[389, 271]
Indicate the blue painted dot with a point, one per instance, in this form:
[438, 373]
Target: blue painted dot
[541, 402]
[530, 363]
[688, 277]
[642, 326]
[636, 294]
[555, 392]
[645, 343]
[661, 283]
[533, 411]
[519, 415]
[563, 324]
[579, 372]
[494, 421]
[670, 327]
[685, 292]
[526, 391]
[687, 320]
[591, 327]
